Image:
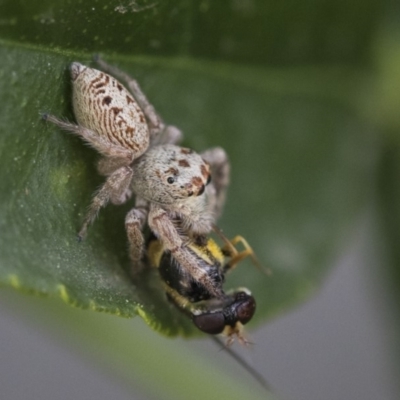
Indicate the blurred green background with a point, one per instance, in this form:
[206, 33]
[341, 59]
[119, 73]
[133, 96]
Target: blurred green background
[303, 96]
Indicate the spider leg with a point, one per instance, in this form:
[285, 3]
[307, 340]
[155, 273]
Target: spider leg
[134, 222]
[101, 144]
[220, 175]
[163, 227]
[170, 135]
[113, 189]
[154, 121]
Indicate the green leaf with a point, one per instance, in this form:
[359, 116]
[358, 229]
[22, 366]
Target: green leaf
[256, 32]
[301, 163]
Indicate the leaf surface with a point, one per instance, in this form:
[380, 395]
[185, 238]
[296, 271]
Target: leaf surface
[300, 170]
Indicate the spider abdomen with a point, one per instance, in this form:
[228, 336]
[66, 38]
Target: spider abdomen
[104, 106]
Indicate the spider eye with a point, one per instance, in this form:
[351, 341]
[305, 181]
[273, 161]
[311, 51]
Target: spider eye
[208, 179]
[171, 179]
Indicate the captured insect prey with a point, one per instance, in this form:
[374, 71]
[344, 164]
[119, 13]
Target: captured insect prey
[140, 155]
[224, 314]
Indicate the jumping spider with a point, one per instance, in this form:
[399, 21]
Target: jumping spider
[140, 154]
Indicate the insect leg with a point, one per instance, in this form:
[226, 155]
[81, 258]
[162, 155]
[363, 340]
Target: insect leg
[237, 256]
